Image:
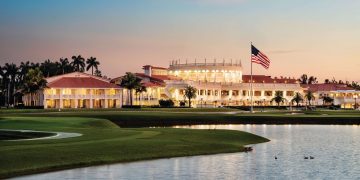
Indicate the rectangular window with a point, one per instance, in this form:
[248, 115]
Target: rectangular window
[244, 93]
[224, 93]
[81, 91]
[235, 93]
[268, 93]
[257, 93]
[289, 93]
[66, 91]
[112, 92]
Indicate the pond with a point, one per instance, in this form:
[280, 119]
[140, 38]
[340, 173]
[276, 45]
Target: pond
[335, 148]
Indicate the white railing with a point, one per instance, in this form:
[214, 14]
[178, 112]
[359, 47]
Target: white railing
[80, 96]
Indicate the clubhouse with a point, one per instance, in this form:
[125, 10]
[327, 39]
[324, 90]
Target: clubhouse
[76, 90]
[218, 84]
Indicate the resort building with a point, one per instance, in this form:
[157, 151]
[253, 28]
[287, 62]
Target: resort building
[76, 90]
[344, 96]
[218, 84]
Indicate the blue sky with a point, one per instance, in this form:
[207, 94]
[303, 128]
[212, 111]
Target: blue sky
[320, 37]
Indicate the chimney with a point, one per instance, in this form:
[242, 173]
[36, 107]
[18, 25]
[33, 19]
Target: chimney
[147, 70]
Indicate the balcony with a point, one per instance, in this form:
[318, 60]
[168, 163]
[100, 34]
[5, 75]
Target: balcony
[81, 96]
[343, 100]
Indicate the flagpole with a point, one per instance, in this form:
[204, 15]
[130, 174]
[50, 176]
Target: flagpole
[251, 83]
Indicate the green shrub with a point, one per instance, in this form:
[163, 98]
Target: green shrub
[166, 103]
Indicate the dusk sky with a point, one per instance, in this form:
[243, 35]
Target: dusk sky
[320, 38]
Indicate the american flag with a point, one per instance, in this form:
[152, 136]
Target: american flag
[259, 58]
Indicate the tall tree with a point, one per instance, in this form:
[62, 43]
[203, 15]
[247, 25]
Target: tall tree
[309, 97]
[92, 63]
[98, 73]
[327, 100]
[303, 79]
[327, 81]
[78, 63]
[11, 72]
[33, 81]
[355, 85]
[63, 65]
[48, 68]
[140, 89]
[312, 80]
[24, 68]
[298, 98]
[2, 86]
[278, 98]
[130, 82]
[190, 93]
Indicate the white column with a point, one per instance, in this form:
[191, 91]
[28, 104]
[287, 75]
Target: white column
[44, 103]
[91, 98]
[106, 103]
[61, 99]
[61, 103]
[76, 102]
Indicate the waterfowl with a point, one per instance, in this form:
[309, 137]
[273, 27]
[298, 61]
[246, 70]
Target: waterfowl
[275, 157]
[305, 157]
[311, 157]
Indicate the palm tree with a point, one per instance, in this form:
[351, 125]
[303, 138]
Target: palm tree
[303, 79]
[298, 98]
[139, 90]
[48, 68]
[33, 81]
[92, 63]
[11, 72]
[278, 98]
[63, 64]
[130, 82]
[78, 63]
[24, 68]
[312, 80]
[327, 100]
[98, 73]
[2, 86]
[355, 85]
[309, 97]
[190, 93]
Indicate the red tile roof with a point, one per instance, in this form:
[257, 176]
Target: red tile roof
[152, 84]
[326, 87]
[268, 79]
[80, 82]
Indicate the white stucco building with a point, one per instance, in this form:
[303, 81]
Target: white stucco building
[217, 84]
[76, 90]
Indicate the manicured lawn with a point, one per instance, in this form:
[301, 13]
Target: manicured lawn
[122, 110]
[170, 118]
[104, 142]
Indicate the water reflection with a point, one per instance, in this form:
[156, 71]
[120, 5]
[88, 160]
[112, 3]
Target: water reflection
[336, 150]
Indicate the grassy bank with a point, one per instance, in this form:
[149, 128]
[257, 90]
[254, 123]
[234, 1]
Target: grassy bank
[165, 117]
[104, 142]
